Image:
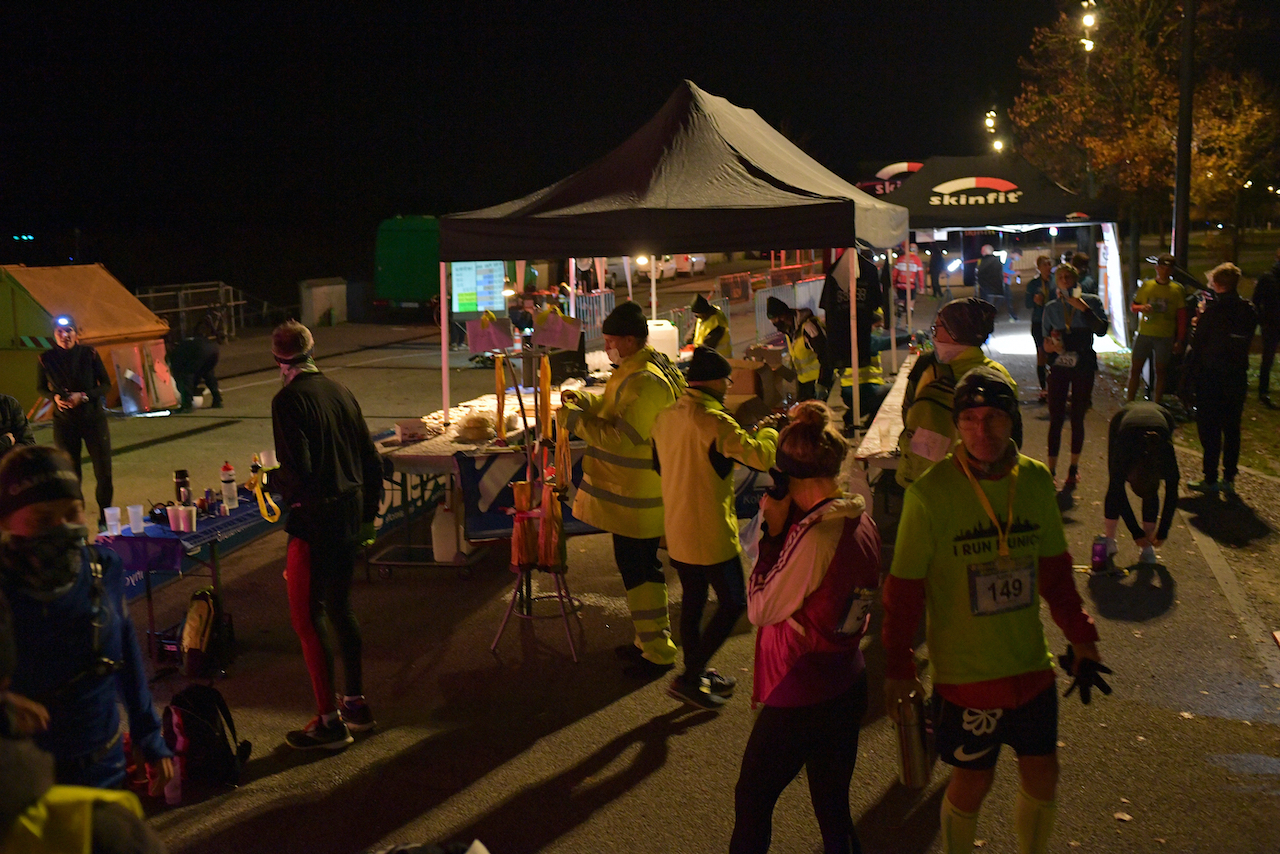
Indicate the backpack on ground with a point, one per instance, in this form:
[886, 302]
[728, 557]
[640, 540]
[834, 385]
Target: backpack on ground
[208, 636]
[198, 728]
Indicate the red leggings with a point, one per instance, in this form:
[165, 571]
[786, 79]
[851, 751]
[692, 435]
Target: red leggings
[320, 594]
[1078, 384]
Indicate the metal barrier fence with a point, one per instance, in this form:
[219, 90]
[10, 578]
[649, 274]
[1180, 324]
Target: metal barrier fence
[592, 309]
[791, 274]
[184, 306]
[803, 294]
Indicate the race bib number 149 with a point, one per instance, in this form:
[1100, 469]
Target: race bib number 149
[1003, 585]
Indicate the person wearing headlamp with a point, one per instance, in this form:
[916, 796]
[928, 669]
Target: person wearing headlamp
[73, 377]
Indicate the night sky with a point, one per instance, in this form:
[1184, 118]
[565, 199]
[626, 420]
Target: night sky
[258, 144]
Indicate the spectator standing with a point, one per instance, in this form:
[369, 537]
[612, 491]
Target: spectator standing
[928, 430]
[75, 378]
[620, 492]
[1220, 361]
[980, 542]
[935, 269]
[1069, 324]
[15, 430]
[1040, 291]
[1140, 453]
[810, 594]
[695, 445]
[77, 649]
[908, 273]
[331, 478]
[1266, 300]
[1082, 264]
[1162, 329]
[806, 340]
[992, 284]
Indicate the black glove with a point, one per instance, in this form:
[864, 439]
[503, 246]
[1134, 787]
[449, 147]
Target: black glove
[1088, 673]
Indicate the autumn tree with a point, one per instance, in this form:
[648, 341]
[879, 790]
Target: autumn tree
[1104, 121]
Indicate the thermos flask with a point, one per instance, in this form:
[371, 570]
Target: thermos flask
[915, 753]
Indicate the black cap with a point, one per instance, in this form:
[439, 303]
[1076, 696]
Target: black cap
[984, 386]
[701, 307]
[707, 364]
[626, 319]
[35, 473]
[775, 307]
[969, 320]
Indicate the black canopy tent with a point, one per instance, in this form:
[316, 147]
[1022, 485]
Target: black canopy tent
[702, 175]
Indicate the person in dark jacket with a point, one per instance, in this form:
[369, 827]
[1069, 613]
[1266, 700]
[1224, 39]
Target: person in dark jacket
[77, 650]
[1040, 291]
[1266, 300]
[73, 376]
[992, 285]
[15, 430]
[331, 477]
[194, 361]
[1220, 361]
[1140, 453]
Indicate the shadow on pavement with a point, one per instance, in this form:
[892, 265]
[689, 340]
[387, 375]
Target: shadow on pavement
[1145, 593]
[1231, 522]
[903, 821]
[542, 813]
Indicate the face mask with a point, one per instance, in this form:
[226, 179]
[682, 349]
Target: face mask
[947, 352]
[47, 561]
[614, 356]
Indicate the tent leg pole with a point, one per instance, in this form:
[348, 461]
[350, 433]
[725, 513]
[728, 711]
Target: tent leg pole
[444, 343]
[856, 402]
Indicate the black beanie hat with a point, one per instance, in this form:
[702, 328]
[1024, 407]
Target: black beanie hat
[35, 473]
[775, 307]
[969, 321]
[701, 307]
[707, 364]
[626, 319]
[984, 386]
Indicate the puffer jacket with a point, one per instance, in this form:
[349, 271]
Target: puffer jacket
[695, 446]
[621, 492]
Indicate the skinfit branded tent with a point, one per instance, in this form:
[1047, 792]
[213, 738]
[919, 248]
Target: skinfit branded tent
[702, 175]
[1001, 191]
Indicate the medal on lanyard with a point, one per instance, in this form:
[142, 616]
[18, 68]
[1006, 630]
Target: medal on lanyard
[1004, 562]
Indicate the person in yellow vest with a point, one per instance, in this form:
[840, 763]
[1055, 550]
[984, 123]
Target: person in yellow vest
[712, 329]
[872, 389]
[620, 491]
[695, 444]
[806, 340]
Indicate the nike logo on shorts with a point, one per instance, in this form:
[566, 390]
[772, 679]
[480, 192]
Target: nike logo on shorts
[964, 756]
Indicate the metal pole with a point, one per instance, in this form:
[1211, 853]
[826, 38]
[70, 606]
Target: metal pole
[444, 343]
[653, 286]
[573, 287]
[856, 403]
[1182, 181]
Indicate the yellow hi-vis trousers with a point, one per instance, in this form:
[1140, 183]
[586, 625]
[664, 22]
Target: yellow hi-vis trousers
[648, 604]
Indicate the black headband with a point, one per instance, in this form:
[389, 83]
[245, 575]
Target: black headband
[299, 359]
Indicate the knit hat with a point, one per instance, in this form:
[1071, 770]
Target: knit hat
[969, 321]
[292, 343]
[775, 307]
[626, 319]
[707, 364]
[34, 473]
[701, 307]
[984, 386]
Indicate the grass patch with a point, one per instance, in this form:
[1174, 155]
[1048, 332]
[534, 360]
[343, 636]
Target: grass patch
[1259, 427]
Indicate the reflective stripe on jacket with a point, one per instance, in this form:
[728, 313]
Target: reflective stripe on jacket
[696, 444]
[620, 491]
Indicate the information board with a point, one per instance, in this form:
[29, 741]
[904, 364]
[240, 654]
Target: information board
[477, 286]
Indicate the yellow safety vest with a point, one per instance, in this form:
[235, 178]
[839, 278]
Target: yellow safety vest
[805, 362]
[716, 321]
[61, 822]
[621, 492]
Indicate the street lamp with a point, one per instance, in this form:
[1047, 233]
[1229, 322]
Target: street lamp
[998, 145]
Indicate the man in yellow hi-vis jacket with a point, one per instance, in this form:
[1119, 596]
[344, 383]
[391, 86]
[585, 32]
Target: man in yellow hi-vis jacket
[620, 491]
[696, 442]
[712, 329]
[806, 339]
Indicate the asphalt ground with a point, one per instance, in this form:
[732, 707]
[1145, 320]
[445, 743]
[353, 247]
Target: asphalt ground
[528, 751]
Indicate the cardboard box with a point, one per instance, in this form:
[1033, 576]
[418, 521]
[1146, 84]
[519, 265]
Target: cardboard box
[771, 356]
[411, 430]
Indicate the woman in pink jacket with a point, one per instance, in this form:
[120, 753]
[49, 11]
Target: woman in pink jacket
[810, 594]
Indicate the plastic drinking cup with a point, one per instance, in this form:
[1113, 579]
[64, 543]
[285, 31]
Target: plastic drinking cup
[112, 515]
[268, 459]
[175, 517]
[137, 523]
[189, 519]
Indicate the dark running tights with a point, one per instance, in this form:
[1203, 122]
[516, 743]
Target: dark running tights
[89, 427]
[320, 594]
[1219, 408]
[822, 739]
[731, 595]
[1078, 385]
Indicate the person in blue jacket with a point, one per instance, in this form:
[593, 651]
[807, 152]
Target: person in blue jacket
[77, 650]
